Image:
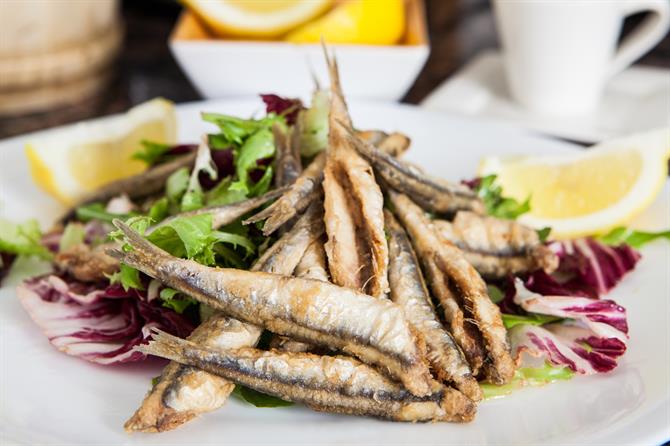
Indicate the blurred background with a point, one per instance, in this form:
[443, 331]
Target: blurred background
[130, 61]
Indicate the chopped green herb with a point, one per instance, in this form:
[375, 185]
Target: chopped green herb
[496, 204]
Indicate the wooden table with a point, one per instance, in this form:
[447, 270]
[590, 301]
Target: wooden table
[459, 29]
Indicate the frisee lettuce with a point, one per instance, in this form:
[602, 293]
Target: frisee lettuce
[631, 237]
[258, 146]
[175, 300]
[234, 131]
[22, 239]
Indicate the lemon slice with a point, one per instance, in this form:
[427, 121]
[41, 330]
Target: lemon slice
[72, 161]
[256, 18]
[587, 192]
[372, 22]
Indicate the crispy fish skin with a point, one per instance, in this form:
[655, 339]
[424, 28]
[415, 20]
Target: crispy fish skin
[433, 194]
[86, 263]
[409, 290]
[327, 383]
[302, 192]
[426, 245]
[225, 214]
[394, 144]
[496, 247]
[307, 187]
[467, 286]
[184, 392]
[356, 249]
[138, 186]
[287, 159]
[311, 266]
[374, 330]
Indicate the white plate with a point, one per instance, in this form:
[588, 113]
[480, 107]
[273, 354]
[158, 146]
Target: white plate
[633, 101]
[47, 397]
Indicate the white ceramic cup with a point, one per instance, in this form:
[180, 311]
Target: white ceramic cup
[560, 53]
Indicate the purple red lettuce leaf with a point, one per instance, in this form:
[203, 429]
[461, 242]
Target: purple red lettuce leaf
[589, 341]
[101, 324]
[286, 106]
[586, 268]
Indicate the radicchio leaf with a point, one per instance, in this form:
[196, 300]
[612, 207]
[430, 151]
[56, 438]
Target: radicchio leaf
[286, 106]
[98, 324]
[589, 267]
[589, 343]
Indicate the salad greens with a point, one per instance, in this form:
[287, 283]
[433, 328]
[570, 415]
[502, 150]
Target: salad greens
[497, 205]
[22, 239]
[512, 320]
[96, 211]
[635, 239]
[259, 399]
[314, 125]
[73, 234]
[528, 376]
[151, 152]
[175, 300]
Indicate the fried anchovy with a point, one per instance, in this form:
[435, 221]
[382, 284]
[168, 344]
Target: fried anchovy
[408, 289]
[287, 160]
[307, 187]
[497, 248]
[227, 213]
[356, 248]
[374, 330]
[141, 185]
[433, 194]
[311, 266]
[301, 193]
[184, 392]
[86, 263]
[336, 384]
[447, 268]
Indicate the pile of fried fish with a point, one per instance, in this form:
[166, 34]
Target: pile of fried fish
[376, 307]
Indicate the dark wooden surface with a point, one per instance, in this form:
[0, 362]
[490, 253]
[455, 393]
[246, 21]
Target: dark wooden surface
[459, 29]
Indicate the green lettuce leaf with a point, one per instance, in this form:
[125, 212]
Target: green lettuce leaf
[159, 210]
[314, 125]
[194, 197]
[512, 320]
[185, 236]
[221, 194]
[22, 239]
[528, 376]
[495, 293]
[543, 234]
[151, 152]
[175, 300]
[127, 276]
[258, 146]
[234, 131]
[96, 211]
[259, 399]
[73, 235]
[631, 237]
[496, 204]
[176, 185]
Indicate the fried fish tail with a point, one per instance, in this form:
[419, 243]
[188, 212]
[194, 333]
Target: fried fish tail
[330, 383]
[184, 392]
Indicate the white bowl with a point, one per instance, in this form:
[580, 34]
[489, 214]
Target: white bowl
[224, 68]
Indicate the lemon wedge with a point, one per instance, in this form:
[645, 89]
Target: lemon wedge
[256, 18]
[587, 192]
[70, 162]
[372, 22]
